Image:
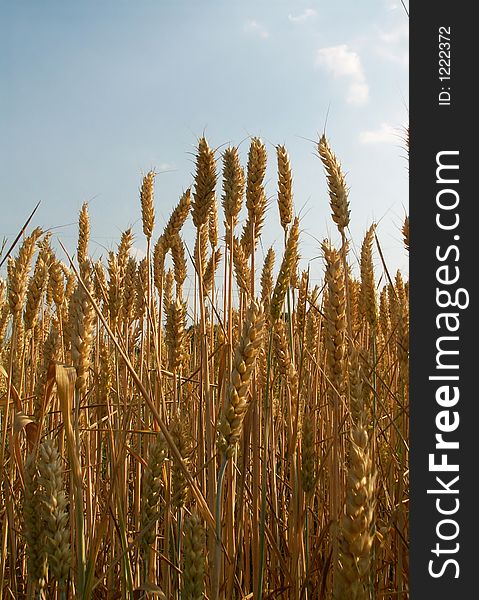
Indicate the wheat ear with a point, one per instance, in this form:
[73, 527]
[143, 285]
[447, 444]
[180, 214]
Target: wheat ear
[233, 188]
[338, 192]
[356, 535]
[255, 195]
[83, 234]
[56, 513]
[82, 333]
[180, 436]
[179, 261]
[18, 270]
[205, 184]
[57, 282]
[285, 187]
[152, 486]
[177, 218]
[124, 248]
[237, 402]
[242, 270]
[267, 278]
[34, 293]
[193, 585]
[33, 527]
[308, 455]
[368, 300]
[288, 267]
[335, 312]
[147, 206]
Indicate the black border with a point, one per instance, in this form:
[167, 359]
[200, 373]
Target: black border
[434, 128]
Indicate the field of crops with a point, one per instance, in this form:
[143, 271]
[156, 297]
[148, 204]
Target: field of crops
[247, 440]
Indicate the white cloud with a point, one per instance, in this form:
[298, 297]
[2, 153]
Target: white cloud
[255, 28]
[384, 134]
[358, 93]
[308, 13]
[342, 62]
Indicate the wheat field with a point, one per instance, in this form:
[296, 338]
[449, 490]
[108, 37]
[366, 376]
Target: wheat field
[247, 440]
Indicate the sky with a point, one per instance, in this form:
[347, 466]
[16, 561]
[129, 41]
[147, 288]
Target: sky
[94, 94]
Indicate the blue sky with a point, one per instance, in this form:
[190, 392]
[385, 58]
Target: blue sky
[95, 93]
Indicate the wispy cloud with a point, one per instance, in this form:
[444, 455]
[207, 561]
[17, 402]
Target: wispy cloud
[396, 35]
[393, 45]
[307, 13]
[384, 134]
[255, 28]
[165, 166]
[344, 63]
